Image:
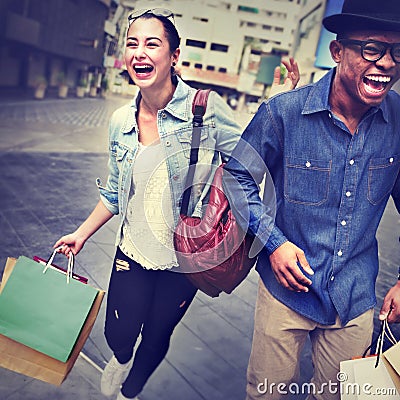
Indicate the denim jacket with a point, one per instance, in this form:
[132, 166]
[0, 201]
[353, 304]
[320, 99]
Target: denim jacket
[219, 136]
[331, 190]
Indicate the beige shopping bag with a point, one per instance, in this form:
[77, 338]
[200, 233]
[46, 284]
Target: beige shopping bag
[361, 379]
[391, 357]
[373, 377]
[25, 360]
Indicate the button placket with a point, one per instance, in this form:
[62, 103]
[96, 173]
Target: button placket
[345, 210]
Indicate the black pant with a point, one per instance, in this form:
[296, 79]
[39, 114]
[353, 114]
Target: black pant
[148, 301]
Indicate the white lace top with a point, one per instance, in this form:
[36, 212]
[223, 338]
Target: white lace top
[147, 232]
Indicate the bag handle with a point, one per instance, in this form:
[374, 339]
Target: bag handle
[70, 267]
[384, 331]
[199, 106]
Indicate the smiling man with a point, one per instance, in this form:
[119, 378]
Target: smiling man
[332, 149]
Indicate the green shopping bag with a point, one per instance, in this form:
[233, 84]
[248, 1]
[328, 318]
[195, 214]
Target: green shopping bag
[43, 311]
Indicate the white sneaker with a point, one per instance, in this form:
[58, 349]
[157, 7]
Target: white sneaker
[122, 397]
[113, 375]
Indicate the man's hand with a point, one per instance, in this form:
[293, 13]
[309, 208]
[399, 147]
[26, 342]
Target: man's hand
[291, 81]
[391, 305]
[285, 262]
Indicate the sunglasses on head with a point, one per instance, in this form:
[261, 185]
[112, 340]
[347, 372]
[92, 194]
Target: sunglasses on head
[158, 12]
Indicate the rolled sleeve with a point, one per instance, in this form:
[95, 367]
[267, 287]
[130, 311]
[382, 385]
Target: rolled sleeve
[109, 198]
[109, 192]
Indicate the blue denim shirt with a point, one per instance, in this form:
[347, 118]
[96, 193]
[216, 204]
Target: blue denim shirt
[331, 190]
[219, 134]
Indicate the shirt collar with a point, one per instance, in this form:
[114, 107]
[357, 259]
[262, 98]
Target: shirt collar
[179, 106]
[318, 98]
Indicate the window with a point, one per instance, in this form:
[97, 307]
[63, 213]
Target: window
[195, 43]
[210, 68]
[112, 47]
[256, 52]
[248, 9]
[198, 66]
[223, 48]
[185, 63]
[200, 19]
[222, 69]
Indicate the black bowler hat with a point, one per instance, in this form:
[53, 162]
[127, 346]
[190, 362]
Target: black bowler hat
[383, 15]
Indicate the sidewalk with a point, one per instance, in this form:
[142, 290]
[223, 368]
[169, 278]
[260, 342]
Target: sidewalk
[51, 152]
[41, 146]
[81, 384]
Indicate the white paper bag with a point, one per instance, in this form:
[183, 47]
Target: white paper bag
[391, 357]
[360, 380]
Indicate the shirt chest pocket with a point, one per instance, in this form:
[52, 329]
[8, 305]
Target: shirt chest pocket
[307, 180]
[121, 153]
[185, 139]
[382, 175]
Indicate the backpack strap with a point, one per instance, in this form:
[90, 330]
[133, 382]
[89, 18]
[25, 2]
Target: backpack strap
[199, 107]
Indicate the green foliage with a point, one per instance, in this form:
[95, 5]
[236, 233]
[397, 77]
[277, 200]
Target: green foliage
[61, 78]
[82, 82]
[40, 80]
[104, 83]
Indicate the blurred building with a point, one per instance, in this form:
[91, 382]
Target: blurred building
[311, 46]
[52, 42]
[224, 41]
[232, 46]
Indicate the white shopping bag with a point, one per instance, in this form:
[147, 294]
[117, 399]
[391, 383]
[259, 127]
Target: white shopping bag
[391, 357]
[372, 377]
[361, 380]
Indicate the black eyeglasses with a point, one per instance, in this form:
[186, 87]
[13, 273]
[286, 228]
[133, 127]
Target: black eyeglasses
[372, 50]
[158, 12]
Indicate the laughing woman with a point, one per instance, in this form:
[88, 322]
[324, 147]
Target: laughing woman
[149, 143]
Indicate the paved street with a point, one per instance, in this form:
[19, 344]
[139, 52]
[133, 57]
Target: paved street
[51, 152]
